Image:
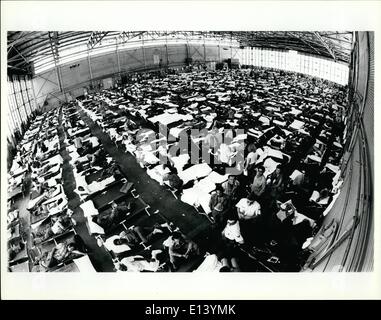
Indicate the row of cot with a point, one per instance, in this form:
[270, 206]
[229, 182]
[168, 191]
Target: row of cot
[110, 204]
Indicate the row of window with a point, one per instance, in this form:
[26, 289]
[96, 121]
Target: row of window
[20, 101]
[81, 51]
[296, 62]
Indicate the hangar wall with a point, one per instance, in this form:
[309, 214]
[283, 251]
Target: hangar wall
[75, 76]
[349, 246]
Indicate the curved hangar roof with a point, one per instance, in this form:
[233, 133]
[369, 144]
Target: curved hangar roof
[38, 48]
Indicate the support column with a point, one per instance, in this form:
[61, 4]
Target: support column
[34, 95]
[187, 52]
[117, 57]
[10, 112]
[60, 82]
[90, 71]
[204, 52]
[22, 98]
[17, 106]
[219, 50]
[166, 50]
[144, 54]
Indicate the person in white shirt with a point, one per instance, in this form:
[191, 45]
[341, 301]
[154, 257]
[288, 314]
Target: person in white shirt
[225, 153]
[251, 159]
[232, 231]
[248, 208]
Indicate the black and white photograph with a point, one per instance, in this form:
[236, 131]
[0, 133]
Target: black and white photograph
[196, 151]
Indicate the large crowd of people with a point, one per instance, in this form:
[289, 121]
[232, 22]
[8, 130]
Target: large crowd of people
[257, 152]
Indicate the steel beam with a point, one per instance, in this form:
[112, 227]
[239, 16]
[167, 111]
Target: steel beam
[95, 38]
[305, 42]
[325, 44]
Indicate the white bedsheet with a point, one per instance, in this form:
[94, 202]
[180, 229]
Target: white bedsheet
[217, 178]
[84, 265]
[110, 246]
[196, 196]
[296, 125]
[100, 185]
[168, 118]
[157, 173]
[180, 161]
[88, 209]
[194, 172]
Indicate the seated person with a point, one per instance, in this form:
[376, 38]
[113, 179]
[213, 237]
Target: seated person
[99, 158]
[293, 224]
[14, 248]
[129, 143]
[230, 187]
[232, 231]
[218, 204]
[44, 187]
[288, 212]
[248, 208]
[302, 184]
[87, 148]
[275, 182]
[259, 183]
[118, 214]
[321, 198]
[180, 248]
[62, 252]
[56, 227]
[173, 179]
[112, 170]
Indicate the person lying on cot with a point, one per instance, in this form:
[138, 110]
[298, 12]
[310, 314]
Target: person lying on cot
[137, 235]
[99, 158]
[118, 214]
[112, 170]
[57, 226]
[62, 252]
[139, 263]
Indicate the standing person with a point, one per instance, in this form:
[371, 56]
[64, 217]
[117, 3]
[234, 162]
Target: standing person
[230, 188]
[275, 183]
[248, 208]
[259, 183]
[250, 160]
[218, 205]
